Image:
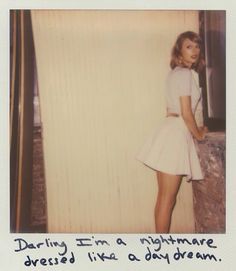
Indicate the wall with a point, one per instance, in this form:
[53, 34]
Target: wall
[209, 194]
[101, 78]
[21, 119]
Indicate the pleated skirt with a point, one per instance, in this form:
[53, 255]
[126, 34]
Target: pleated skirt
[171, 149]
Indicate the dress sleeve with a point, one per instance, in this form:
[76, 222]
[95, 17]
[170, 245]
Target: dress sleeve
[183, 82]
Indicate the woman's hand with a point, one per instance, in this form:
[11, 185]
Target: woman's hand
[202, 131]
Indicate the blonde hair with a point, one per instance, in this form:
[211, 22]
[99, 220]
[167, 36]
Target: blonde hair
[176, 51]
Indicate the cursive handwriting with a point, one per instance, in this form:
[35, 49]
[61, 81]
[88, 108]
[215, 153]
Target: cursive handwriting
[22, 244]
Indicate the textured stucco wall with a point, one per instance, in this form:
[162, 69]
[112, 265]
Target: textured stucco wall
[209, 194]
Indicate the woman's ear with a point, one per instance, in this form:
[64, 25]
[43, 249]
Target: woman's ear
[180, 60]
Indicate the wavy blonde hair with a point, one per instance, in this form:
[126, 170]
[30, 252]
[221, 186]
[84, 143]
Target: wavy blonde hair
[176, 51]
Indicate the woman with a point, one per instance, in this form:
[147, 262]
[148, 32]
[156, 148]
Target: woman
[171, 150]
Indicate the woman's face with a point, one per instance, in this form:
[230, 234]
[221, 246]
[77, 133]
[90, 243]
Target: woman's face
[189, 52]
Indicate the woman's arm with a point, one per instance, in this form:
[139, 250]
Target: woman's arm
[187, 114]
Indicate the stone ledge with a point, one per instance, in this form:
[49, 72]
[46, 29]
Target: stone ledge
[209, 194]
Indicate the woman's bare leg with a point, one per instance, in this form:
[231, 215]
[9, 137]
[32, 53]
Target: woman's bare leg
[168, 186]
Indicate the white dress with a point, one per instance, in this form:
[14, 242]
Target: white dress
[171, 148]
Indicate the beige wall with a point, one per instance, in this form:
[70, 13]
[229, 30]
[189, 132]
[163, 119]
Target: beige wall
[101, 81]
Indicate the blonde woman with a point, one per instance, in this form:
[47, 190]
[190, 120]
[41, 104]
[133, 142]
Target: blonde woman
[171, 151]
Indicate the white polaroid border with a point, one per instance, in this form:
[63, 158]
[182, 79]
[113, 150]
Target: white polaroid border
[126, 246]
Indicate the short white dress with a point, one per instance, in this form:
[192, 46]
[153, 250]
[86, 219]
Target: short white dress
[171, 148]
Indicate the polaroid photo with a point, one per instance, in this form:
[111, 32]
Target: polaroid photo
[114, 151]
